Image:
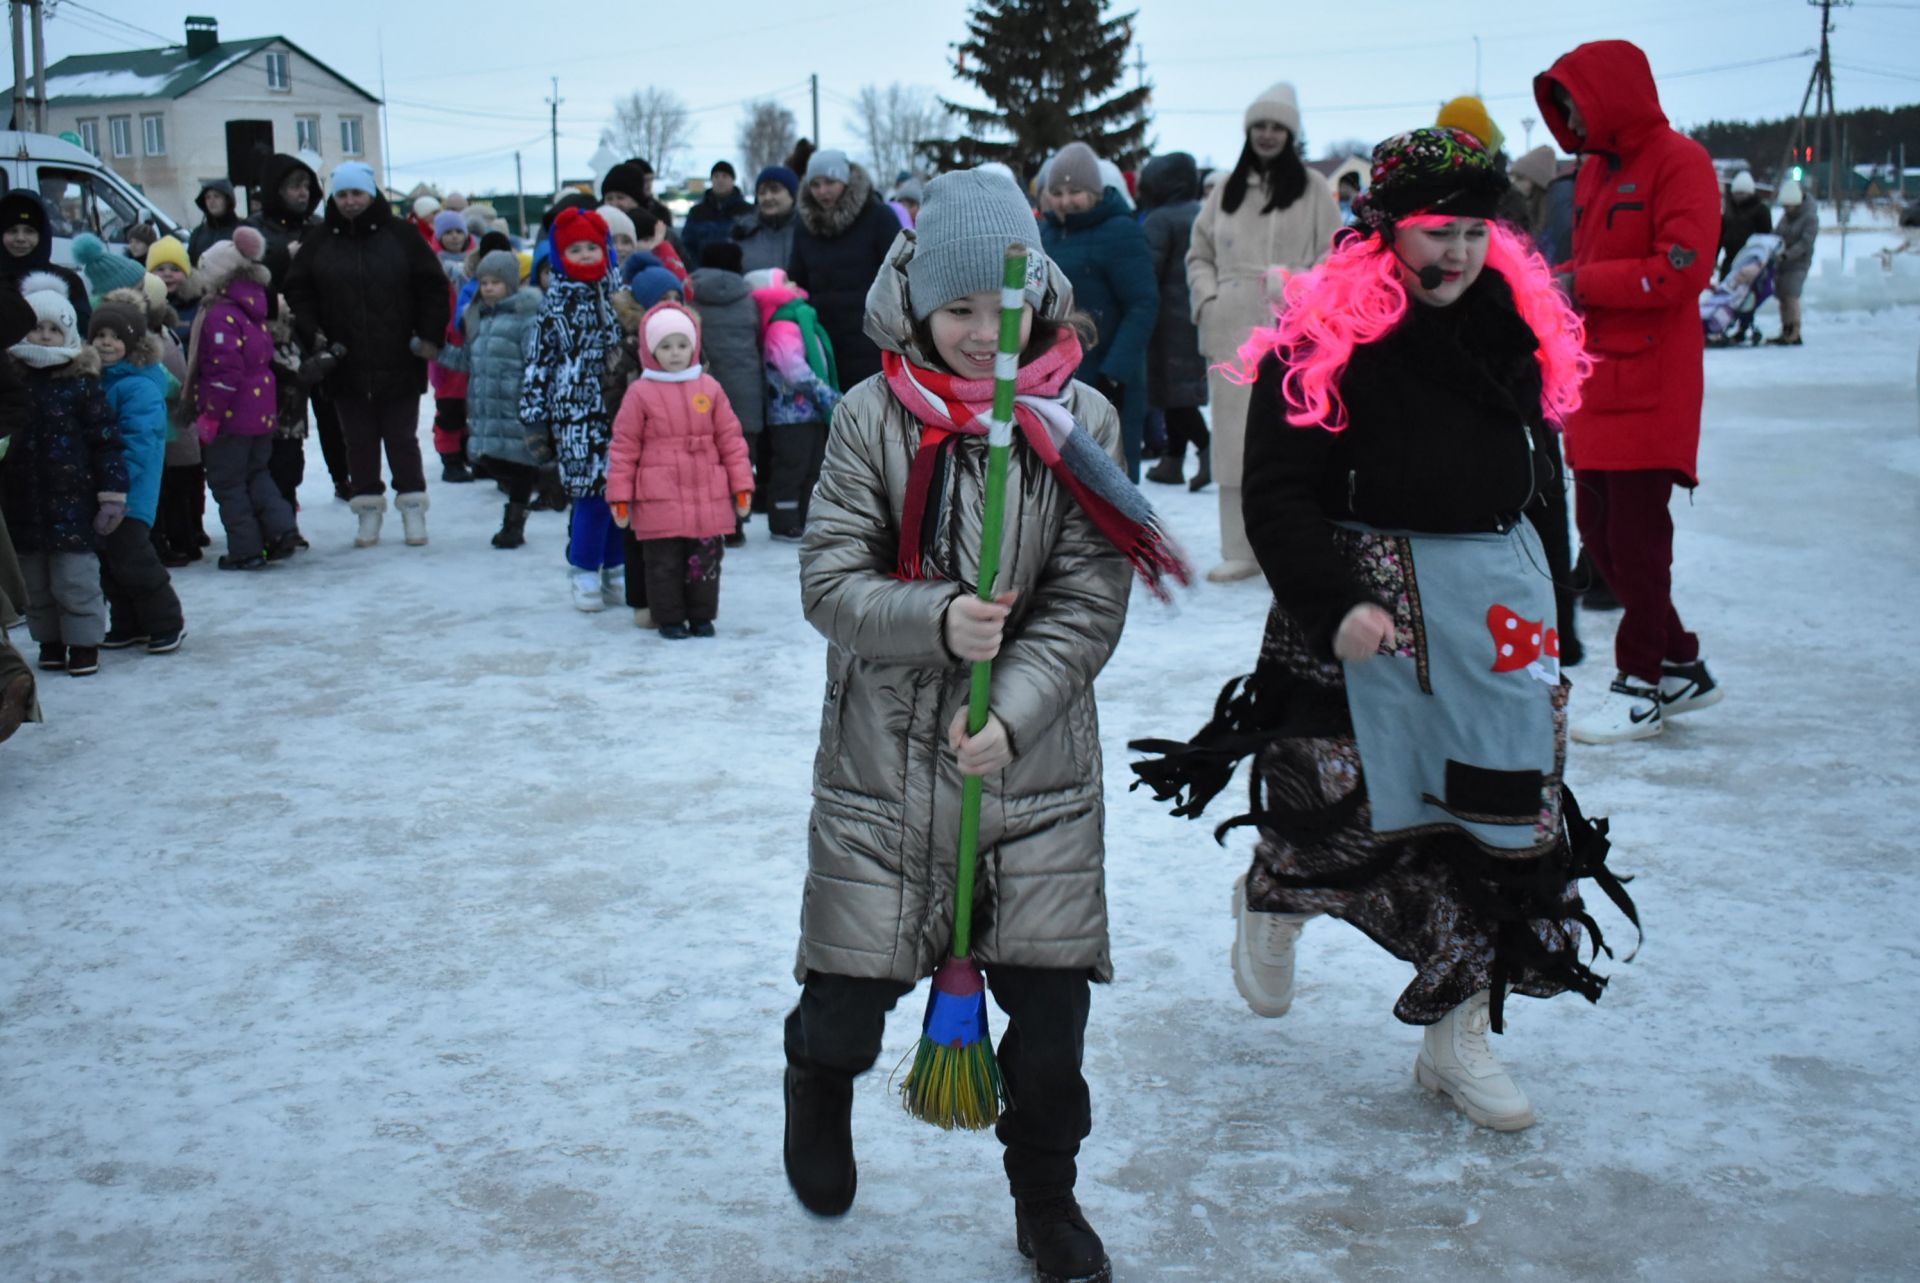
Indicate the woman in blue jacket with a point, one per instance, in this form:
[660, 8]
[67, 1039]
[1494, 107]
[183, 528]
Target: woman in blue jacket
[1091, 235]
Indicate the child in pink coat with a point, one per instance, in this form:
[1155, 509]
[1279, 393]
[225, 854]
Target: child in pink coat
[678, 473]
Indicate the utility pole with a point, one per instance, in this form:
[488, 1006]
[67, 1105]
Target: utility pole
[38, 8]
[1140, 66]
[554, 102]
[20, 99]
[1820, 93]
[1476, 66]
[386, 136]
[814, 80]
[1527, 123]
[520, 192]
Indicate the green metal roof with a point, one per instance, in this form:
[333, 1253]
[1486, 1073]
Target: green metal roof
[160, 73]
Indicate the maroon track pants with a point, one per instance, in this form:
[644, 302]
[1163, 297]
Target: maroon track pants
[1627, 530]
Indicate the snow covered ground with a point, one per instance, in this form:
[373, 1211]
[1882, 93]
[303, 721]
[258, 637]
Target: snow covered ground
[408, 925]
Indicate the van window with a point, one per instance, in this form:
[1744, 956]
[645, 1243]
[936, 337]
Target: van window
[80, 202]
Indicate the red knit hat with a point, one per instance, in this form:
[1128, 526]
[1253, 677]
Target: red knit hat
[573, 226]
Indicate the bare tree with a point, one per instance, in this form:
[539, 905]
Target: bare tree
[650, 123]
[1345, 147]
[766, 135]
[893, 122]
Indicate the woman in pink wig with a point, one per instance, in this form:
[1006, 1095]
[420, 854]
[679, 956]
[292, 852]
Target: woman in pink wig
[1408, 717]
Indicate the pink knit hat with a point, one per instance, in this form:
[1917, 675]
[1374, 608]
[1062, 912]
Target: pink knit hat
[670, 320]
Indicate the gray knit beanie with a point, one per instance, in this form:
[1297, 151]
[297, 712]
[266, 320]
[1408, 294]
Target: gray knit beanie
[501, 265]
[1076, 166]
[830, 164]
[960, 240]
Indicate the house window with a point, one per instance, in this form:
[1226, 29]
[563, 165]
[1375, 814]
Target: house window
[306, 134]
[120, 129]
[350, 142]
[90, 135]
[279, 75]
[153, 132]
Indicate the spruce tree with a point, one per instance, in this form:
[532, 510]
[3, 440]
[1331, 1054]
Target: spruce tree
[1047, 66]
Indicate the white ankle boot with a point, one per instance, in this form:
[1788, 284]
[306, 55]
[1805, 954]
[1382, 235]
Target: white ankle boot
[413, 515]
[1455, 1062]
[1263, 954]
[372, 510]
[586, 589]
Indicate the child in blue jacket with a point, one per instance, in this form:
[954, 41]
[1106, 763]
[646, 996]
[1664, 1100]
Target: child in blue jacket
[143, 609]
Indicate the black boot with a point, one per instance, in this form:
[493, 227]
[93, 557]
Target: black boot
[819, 1142]
[1203, 475]
[513, 527]
[1170, 470]
[1054, 1235]
[1593, 590]
[454, 469]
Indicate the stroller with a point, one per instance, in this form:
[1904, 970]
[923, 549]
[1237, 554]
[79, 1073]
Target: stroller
[1726, 310]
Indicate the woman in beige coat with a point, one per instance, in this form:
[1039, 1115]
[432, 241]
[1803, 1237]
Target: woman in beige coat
[1271, 211]
[887, 572]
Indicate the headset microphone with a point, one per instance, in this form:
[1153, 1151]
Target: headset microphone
[1430, 277]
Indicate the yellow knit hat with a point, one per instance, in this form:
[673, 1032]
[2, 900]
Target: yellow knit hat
[1469, 113]
[168, 249]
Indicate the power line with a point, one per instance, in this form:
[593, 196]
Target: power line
[118, 22]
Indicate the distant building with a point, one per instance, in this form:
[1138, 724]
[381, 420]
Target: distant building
[168, 120]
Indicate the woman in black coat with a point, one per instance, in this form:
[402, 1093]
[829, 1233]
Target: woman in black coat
[1176, 372]
[839, 242]
[26, 247]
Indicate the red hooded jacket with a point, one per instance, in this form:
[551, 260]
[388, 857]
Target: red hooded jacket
[1646, 225]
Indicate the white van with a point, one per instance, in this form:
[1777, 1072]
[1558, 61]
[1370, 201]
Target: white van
[81, 193]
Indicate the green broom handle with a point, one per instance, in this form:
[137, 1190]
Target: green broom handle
[1013, 286]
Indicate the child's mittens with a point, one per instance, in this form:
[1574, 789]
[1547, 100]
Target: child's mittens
[112, 513]
[622, 517]
[742, 502]
[207, 427]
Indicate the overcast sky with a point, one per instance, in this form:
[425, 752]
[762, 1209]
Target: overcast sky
[466, 83]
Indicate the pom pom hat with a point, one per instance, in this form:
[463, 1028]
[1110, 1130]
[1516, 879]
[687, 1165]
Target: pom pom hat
[105, 269]
[960, 242]
[1469, 113]
[573, 227]
[123, 322]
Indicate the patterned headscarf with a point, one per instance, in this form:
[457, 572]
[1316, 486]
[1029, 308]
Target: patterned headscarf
[1429, 171]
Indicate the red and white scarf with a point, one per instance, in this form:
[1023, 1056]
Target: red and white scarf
[947, 404]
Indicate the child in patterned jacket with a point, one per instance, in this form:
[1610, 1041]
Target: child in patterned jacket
[802, 389]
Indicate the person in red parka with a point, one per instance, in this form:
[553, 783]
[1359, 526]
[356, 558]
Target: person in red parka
[1646, 226]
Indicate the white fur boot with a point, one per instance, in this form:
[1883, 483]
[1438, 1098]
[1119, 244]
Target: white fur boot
[372, 510]
[1455, 1062]
[413, 515]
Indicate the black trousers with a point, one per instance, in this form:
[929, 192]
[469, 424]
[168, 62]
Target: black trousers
[634, 557]
[333, 443]
[1185, 424]
[683, 579]
[179, 522]
[797, 449]
[518, 478]
[837, 1027]
[138, 590]
[371, 424]
[287, 465]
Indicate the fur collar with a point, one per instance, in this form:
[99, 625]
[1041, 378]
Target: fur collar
[829, 223]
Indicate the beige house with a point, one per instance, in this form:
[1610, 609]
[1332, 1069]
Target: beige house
[168, 120]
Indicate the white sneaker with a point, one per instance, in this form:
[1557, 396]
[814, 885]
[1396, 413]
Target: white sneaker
[586, 590]
[1687, 687]
[1455, 1062]
[371, 509]
[1630, 711]
[613, 585]
[1263, 954]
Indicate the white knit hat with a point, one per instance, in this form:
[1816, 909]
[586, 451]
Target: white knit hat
[618, 224]
[1790, 193]
[1278, 103]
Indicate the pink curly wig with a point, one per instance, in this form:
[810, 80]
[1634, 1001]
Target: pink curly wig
[1356, 297]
